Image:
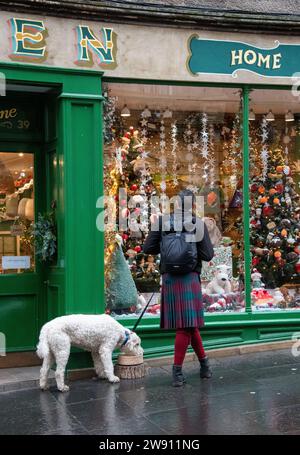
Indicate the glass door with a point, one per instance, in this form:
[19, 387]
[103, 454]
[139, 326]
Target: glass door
[22, 278]
[16, 212]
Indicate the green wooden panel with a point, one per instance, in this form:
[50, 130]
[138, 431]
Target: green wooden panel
[82, 173]
[19, 321]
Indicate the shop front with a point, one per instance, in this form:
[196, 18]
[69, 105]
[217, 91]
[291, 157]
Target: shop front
[215, 112]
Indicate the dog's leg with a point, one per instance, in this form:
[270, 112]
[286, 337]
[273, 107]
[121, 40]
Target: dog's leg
[61, 356]
[106, 358]
[47, 362]
[98, 365]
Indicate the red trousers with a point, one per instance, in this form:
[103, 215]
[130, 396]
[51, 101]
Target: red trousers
[184, 338]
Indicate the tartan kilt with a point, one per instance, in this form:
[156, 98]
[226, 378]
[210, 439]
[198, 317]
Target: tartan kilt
[181, 301]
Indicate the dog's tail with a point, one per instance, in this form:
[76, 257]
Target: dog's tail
[43, 346]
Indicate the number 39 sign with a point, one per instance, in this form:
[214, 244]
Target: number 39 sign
[14, 118]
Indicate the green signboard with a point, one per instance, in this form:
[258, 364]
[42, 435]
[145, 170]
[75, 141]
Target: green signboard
[19, 117]
[227, 57]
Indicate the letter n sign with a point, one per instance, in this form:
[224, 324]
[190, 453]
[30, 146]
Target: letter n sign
[88, 43]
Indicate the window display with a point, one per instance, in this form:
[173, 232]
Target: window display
[159, 140]
[274, 191]
[16, 212]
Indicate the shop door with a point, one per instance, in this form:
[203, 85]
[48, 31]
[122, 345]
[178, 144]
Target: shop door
[22, 280]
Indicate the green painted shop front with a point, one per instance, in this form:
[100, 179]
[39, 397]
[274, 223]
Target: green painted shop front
[68, 162]
[67, 105]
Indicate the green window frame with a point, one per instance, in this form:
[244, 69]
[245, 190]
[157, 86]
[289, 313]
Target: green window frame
[225, 318]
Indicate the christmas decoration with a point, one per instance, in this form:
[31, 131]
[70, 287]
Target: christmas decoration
[174, 153]
[44, 232]
[264, 147]
[274, 224]
[109, 117]
[121, 292]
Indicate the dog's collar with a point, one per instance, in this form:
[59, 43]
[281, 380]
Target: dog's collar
[127, 336]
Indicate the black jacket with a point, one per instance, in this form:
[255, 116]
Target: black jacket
[204, 247]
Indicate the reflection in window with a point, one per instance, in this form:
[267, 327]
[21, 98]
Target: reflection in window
[275, 209]
[16, 212]
[159, 140]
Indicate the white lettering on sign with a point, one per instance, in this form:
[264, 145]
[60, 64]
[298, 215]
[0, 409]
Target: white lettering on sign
[15, 262]
[251, 57]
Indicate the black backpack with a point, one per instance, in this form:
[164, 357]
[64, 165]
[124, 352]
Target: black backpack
[177, 254]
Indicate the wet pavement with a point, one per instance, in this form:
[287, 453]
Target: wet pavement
[249, 394]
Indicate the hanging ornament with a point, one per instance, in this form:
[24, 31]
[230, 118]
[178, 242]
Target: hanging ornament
[291, 241]
[211, 198]
[263, 199]
[134, 187]
[292, 257]
[268, 210]
[279, 188]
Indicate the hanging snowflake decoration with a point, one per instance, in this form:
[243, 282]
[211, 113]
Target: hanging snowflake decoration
[204, 137]
[211, 160]
[163, 159]
[174, 152]
[193, 188]
[264, 149]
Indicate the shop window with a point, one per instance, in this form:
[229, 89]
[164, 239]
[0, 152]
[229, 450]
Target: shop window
[158, 141]
[274, 190]
[16, 212]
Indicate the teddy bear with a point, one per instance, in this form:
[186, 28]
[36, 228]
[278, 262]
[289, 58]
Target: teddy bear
[213, 231]
[256, 279]
[150, 264]
[220, 284]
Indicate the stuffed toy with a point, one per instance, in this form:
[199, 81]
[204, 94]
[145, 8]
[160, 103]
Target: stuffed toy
[150, 264]
[140, 165]
[256, 279]
[220, 284]
[213, 230]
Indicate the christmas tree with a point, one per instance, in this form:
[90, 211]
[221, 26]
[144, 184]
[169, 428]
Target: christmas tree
[275, 226]
[129, 184]
[121, 292]
[139, 188]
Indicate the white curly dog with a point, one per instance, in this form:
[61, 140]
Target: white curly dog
[99, 334]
